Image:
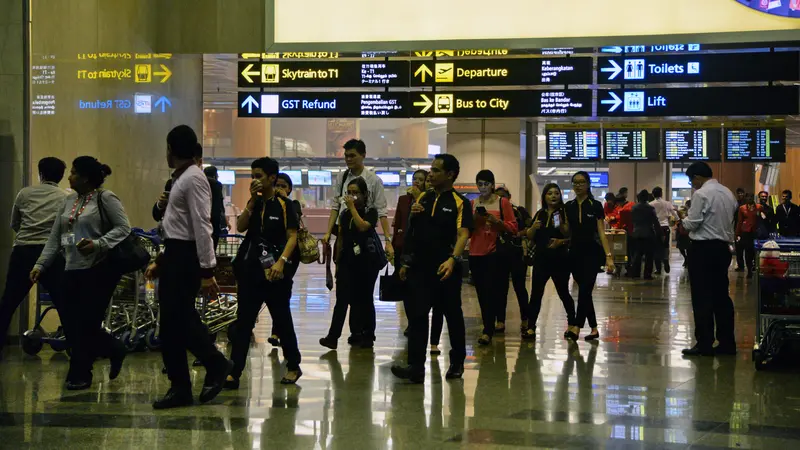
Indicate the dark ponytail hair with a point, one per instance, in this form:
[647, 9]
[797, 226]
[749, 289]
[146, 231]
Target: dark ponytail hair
[362, 186]
[588, 181]
[93, 170]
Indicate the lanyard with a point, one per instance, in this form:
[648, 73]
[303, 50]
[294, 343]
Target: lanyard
[787, 211]
[73, 216]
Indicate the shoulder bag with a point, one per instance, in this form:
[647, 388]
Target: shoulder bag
[127, 256]
[505, 241]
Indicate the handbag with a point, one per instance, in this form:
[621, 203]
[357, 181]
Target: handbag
[392, 288]
[375, 253]
[308, 244]
[127, 256]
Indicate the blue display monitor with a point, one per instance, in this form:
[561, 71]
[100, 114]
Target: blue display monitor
[227, 177]
[599, 179]
[389, 178]
[296, 176]
[680, 181]
[320, 178]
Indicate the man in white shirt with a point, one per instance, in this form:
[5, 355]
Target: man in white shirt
[711, 231]
[185, 268]
[32, 217]
[665, 212]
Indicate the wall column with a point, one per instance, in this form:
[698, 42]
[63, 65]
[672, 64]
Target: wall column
[497, 145]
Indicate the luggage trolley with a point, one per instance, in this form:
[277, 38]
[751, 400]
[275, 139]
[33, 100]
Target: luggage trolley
[618, 243]
[778, 287]
[219, 314]
[34, 339]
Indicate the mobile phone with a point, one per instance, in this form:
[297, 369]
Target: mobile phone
[480, 210]
[557, 219]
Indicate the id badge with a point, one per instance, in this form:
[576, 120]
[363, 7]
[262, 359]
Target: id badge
[356, 250]
[67, 239]
[267, 260]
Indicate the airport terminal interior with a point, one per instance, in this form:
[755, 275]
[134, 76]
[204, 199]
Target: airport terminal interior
[633, 105]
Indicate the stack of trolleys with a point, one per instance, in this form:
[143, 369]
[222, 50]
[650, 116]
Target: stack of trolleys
[778, 287]
[218, 314]
[133, 313]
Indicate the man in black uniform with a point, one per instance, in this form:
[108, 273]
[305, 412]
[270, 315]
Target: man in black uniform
[438, 230]
[265, 265]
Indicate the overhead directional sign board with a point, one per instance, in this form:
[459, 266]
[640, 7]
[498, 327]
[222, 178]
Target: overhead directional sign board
[280, 74]
[712, 101]
[324, 104]
[729, 67]
[563, 103]
[502, 72]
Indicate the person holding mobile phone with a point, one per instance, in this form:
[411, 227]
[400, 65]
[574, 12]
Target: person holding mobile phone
[494, 223]
[84, 234]
[550, 235]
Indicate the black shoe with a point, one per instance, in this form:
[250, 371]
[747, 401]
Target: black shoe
[529, 334]
[571, 336]
[175, 399]
[405, 332]
[116, 362]
[231, 385]
[78, 385]
[739, 269]
[354, 339]
[329, 343]
[728, 350]
[485, 340]
[367, 342]
[686, 264]
[285, 380]
[592, 337]
[213, 385]
[274, 341]
[409, 373]
[666, 267]
[698, 351]
[197, 363]
[455, 371]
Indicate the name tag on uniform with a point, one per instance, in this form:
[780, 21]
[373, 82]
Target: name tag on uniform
[67, 239]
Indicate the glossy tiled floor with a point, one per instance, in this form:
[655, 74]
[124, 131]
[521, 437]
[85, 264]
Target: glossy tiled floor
[632, 390]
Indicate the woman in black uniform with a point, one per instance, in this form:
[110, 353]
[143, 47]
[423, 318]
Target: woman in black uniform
[550, 235]
[356, 268]
[587, 250]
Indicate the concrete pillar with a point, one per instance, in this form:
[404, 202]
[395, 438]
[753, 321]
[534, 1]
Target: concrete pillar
[497, 145]
[13, 123]
[638, 176]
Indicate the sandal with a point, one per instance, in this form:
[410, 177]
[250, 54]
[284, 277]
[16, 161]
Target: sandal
[289, 378]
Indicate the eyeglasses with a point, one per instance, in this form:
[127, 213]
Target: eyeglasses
[579, 183]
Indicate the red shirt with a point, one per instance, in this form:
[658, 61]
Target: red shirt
[747, 218]
[626, 218]
[484, 236]
[401, 221]
[612, 215]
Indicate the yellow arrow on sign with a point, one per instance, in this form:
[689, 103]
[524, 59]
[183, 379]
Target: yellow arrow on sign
[423, 69]
[427, 103]
[164, 73]
[424, 54]
[247, 73]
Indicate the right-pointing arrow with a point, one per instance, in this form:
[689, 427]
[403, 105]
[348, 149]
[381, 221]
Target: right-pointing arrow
[249, 103]
[615, 69]
[615, 101]
[426, 103]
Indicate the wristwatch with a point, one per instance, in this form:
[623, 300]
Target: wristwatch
[285, 259]
[457, 259]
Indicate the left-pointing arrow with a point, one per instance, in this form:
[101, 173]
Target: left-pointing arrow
[614, 102]
[249, 103]
[165, 73]
[247, 73]
[426, 103]
[615, 69]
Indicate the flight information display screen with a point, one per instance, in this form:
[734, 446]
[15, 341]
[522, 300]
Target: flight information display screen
[755, 144]
[631, 145]
[698, 144]
[573, 145]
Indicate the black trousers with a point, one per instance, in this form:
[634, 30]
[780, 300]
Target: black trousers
[584, 271]
[355, 287]
[516, 266]
[429, 291]
[661, 255]
[437, 323]
[645, 250]
[543, 271]
[254, 291]
[708, 275]
[181, 326]
[87, 293]
[18, 283]
[490, 275]
[745, 251]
